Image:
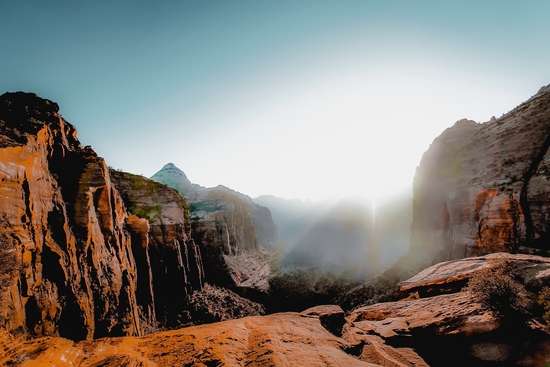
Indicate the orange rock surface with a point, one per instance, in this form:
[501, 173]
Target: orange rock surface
[66, 224]
[276, 340]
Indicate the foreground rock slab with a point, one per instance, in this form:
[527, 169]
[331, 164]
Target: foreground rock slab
[451, 276]
[285, 339]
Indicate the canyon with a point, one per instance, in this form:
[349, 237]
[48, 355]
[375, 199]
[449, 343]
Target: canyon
[95, 261]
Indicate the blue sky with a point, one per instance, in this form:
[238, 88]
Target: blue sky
[308, 99]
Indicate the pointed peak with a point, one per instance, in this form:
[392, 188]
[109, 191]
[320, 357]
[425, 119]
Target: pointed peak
[171, 170]
[170, 166]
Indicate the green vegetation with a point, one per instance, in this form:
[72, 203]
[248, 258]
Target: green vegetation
[208, 206]
[151, 213]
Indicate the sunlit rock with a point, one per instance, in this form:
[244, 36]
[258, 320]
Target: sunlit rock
[483, 188]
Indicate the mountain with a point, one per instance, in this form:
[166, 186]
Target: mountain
[483, 188]
[236, 235]
[75, 261]
[348, 238]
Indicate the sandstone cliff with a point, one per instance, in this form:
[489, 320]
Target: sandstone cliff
[65, 223]
[168, 260]
[234, 233]
[83, 267]
[483, 188]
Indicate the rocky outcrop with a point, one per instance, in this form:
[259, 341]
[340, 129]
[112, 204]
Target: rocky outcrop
[453, 328]
[168, 261]
[226, 224]
[483, 188]
[424, 330]
[285, 339]
[451, 276]
[80, 265]
[65, 222]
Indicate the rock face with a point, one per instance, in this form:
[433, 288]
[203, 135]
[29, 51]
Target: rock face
[483, 188]
[65, 221]
[84, 267]
[168, 260]
[225, 224]
[451, 276]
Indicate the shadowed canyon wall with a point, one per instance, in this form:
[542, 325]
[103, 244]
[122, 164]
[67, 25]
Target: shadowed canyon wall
[483, 188]
[170, 257]
[235, 234]
[73, 240]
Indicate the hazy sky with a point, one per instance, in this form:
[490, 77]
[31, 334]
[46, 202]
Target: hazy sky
[306, 99]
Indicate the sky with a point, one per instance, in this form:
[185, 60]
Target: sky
[297, 99]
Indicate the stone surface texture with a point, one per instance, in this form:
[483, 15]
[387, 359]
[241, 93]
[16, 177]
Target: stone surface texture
[483, 188]
[446, 329]
[277, 340]
[75, 243]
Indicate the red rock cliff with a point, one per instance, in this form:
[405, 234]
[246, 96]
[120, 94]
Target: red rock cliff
[66, 225]
[483, 188]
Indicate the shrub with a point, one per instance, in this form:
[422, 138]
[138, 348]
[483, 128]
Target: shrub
[495, 288]
[9, 263]
[213, 304]
[544, 301]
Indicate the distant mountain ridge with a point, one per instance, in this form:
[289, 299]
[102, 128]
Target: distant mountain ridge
[345, 237]
[225, 223]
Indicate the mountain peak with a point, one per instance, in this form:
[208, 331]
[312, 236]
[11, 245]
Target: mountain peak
[172, 169]
[170, 166]
[174, 177]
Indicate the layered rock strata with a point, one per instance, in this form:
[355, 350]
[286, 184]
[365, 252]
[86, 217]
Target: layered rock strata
[82, 266]
[168, 260]
[483, 188]
[453, 328]
[232, 231]
[65, 222]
